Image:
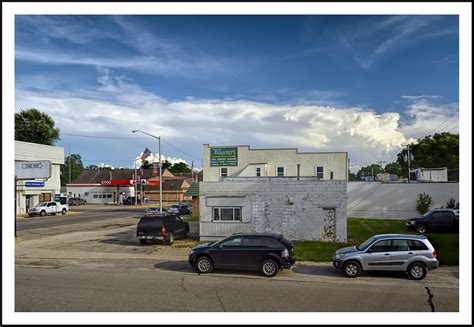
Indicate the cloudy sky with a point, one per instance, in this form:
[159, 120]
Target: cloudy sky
[361, 84]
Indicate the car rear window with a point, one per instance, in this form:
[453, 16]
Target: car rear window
[286, 242]
[417, 245]
[150, 221]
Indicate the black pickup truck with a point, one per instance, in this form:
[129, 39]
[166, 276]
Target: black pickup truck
[163, 228]
[442, 220]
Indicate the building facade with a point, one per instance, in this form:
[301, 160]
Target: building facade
[242, 161]
[31, 192]
[429, 174]
[301, 209]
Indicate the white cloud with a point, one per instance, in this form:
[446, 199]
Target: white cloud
[365, 134]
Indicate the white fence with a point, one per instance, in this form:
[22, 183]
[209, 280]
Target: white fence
[395, 200]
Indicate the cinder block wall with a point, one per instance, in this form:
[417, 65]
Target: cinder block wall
[300, 209]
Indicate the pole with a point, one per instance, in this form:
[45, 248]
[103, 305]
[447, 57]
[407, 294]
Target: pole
[161, 184]
[408, 158]
[69, 163]
[15, 203]
[135, 182]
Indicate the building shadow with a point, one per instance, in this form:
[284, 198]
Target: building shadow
[184, 267]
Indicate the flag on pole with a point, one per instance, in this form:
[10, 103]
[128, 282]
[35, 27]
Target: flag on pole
[145, 154]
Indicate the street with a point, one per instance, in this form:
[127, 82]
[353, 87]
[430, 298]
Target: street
[98, 265]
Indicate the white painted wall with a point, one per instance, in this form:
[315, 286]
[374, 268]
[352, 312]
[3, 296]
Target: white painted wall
[394, 200]
[289, 158]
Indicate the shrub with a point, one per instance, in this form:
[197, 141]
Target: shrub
[423, 203]
[451, 204]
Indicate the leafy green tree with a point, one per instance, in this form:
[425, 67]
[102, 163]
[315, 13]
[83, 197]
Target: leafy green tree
[394, 168]
[423, 203]
[34, 126]
[92, 167]
[352, 177]
[146, 164]
[165, 164]
[451, 203]
[180, 167]
[367, 171]
[74, 160]
[439, 150]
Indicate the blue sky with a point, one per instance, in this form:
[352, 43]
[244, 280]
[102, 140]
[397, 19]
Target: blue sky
[361, 84]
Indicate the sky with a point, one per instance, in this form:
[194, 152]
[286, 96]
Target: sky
[365, 84]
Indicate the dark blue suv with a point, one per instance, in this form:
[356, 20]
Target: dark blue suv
[247, 251]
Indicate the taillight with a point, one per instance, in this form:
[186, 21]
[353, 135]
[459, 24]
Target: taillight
[434, 253]
[163, 231]
[285, 254]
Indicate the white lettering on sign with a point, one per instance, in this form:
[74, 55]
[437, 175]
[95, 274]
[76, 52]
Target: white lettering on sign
[32, 165]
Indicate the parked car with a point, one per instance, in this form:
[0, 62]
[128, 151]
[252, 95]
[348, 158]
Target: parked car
[152, 211]
[265, 252]
[131, 201]
[389, 252]
[187, 203]
[179, 209]
[163, 228]
[435, 220]
[76, 201]
[48, 208]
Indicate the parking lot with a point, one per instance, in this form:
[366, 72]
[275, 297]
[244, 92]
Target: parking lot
[98, 265]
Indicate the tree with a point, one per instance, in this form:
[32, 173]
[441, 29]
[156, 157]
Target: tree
[352, 177]
[146, 164]
[92, 167]
[180, 167]
[165, 164]
[76, 168]
[367, 171]
[394, 168]
[34, 126]
[439, 150]
[423, 203]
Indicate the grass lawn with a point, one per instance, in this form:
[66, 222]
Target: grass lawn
[359, 230]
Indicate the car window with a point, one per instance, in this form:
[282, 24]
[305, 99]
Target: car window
[233, 242]
[417, 245]
[269, 242]
[251, 241]
[437, 216]
[381, 246]
[400, 245]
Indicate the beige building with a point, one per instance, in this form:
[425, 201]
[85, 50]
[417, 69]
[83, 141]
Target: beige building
[242, 161]
[28, 196]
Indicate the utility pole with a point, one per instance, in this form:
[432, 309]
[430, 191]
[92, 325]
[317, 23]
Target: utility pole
[381, 162]
[408, 159]
[69, 163]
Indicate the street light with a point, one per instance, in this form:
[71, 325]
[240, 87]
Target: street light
[159, 160]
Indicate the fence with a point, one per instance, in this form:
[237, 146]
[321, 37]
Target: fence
[395, 200]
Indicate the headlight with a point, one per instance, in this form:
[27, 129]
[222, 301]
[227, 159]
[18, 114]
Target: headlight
[340, 255]
[412, 222]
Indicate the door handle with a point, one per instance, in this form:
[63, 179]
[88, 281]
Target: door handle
[410, 253]
[387, 254]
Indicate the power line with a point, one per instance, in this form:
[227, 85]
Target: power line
[181, 150]
[107, 137]
[433, 131]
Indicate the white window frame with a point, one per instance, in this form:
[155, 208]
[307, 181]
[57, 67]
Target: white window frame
[276, 171]
[316, 171]
[227, 171]
[220, 215]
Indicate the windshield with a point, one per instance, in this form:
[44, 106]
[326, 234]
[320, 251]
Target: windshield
[42, 204]
[365, 245]
[429, 213]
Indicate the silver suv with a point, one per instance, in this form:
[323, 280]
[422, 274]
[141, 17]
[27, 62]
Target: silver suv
[389, 252]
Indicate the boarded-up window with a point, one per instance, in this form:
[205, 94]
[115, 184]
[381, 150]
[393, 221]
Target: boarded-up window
[329, 227]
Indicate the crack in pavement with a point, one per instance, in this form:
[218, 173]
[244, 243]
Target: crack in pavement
[430, 297]
[220, 302]
[184, 288]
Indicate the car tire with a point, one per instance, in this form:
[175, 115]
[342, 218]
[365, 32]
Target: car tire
[417, 271]
[421, 229]
[43, 213]
[170, 239]
[269, 268]
[351, 269]
[143, 241]
[63, 212]
[204, 265]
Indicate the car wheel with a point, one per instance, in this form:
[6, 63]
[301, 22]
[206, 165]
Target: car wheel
[43, 213]
[171, 239]
[143, 241]
[269, 268]
[421, 229]
[63, 211]
[351, 269]
[417, 271]
[204, 265]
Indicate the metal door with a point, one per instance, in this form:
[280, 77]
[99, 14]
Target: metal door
[378, 256]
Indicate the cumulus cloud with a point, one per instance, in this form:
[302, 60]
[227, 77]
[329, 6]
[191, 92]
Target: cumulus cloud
[119, 106]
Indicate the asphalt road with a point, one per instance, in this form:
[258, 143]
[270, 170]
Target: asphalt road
[95, 263]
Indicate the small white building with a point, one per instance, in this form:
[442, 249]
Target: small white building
[242, 161]
[31, 192]
[429, 174]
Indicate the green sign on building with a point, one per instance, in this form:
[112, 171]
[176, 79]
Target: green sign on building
[224, 156]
